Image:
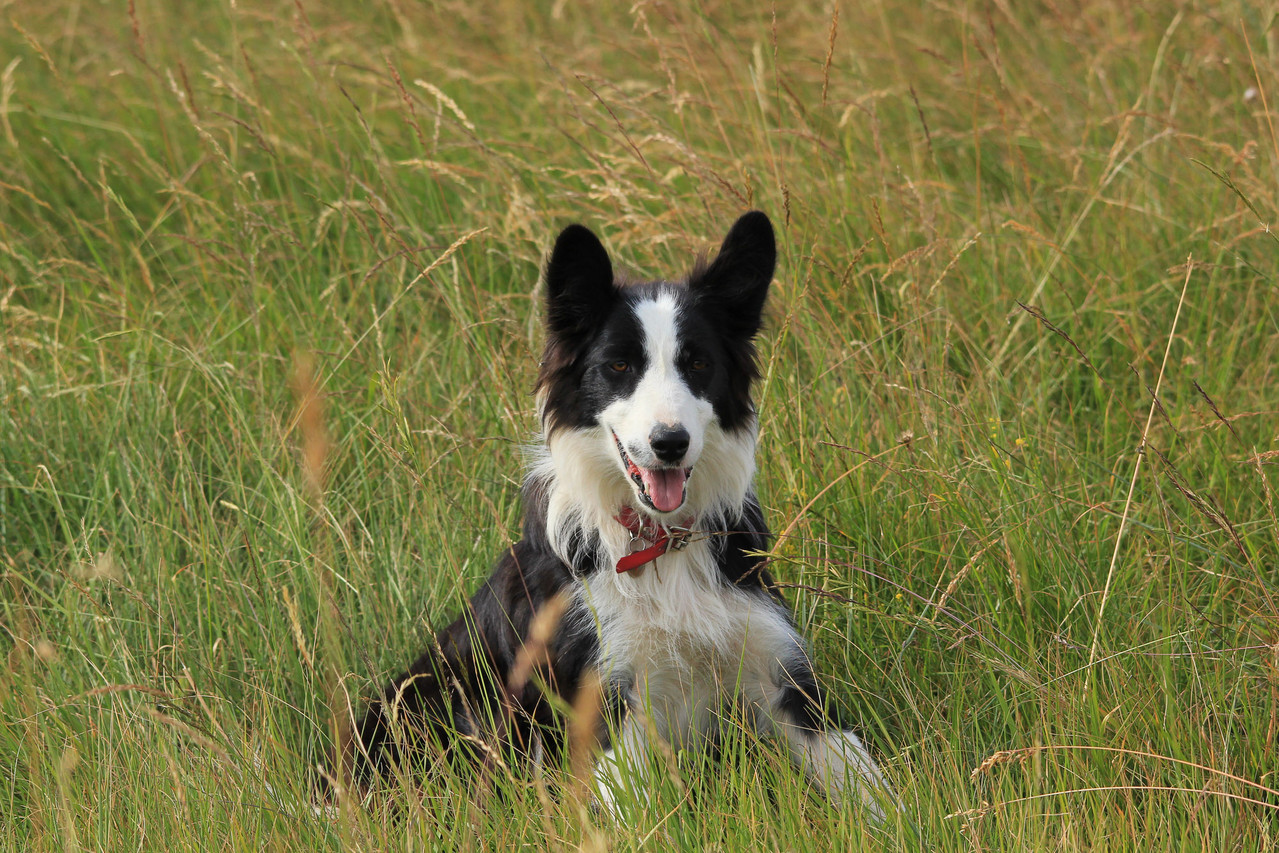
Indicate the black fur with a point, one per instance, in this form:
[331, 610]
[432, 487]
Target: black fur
[460, 685]
[589, 325]
[593, 355]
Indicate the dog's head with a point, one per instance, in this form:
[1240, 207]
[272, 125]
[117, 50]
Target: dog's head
[650, 373]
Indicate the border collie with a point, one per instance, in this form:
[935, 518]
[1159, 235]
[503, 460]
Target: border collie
[642, 530]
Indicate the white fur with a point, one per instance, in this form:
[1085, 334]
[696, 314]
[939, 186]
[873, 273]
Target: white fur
[685, 640]
[674, 637]
[840, 763]
[588, 486]
[662, 397]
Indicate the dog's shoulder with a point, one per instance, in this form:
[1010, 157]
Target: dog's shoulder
[738, 551]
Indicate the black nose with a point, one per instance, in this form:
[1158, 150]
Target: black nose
[669, 443]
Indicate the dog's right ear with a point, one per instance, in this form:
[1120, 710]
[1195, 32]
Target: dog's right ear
[579, 283]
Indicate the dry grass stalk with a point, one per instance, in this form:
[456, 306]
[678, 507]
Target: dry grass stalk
[310, 420]
[1039, 315]
[1216, 411]
[830, 50]
[535, 651]
[192, 732]
[1204, 505]
[583, 733]
[1007, 756]
[987, 808]
[1021, 756]
[1261, 90]
[956, 581]
[290, 605]
[1132, 484]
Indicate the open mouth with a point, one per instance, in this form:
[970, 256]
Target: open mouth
[663, 489]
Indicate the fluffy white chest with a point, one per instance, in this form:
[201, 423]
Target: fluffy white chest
[683, 641]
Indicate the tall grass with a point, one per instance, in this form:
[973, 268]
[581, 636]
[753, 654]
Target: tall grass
[987, 212]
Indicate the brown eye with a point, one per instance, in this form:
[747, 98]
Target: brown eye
[698, 364]
[620, 366]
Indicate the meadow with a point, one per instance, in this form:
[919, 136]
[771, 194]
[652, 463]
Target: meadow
[270, 319]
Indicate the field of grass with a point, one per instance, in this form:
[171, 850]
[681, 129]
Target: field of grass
[1018, 415]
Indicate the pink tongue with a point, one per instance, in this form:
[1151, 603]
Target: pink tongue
[665, 487]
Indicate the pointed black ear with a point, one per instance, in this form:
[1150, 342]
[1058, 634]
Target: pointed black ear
[735, 284]
[579, 282]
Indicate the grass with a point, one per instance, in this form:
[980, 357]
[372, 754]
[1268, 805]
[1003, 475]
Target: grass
[987, 213]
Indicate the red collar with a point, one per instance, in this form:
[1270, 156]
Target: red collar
[645, 529]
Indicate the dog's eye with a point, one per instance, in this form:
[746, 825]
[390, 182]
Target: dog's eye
[698, 364]
[620, 366]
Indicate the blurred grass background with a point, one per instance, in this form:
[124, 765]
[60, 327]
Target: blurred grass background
[987, 213]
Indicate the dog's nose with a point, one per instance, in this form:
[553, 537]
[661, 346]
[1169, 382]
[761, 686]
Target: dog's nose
[669, 443]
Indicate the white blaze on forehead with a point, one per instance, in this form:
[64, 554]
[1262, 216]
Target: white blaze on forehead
[662, 388]
[660, 325]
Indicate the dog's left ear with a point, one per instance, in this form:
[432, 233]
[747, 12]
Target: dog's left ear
[735, 284]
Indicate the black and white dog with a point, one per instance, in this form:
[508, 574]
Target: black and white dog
[641, 521]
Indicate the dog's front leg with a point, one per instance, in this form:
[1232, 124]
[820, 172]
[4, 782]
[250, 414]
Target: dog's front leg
[623, 769]
[834, 758]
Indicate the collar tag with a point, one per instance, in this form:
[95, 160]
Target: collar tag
[644, 529]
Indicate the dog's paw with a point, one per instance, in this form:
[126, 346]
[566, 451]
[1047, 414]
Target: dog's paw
[615, 790]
